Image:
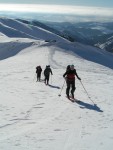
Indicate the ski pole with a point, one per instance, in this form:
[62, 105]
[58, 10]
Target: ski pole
[61, 88]
[86, 92]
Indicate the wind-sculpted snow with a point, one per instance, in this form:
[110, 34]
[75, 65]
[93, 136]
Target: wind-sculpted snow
[10, 49]
[92, 33]
[14, 28]
[89, 53]
[33, 116]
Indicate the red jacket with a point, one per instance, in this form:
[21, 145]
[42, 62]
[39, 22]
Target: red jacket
[70, 74]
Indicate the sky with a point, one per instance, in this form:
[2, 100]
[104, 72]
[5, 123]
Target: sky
[97, 3]
[98, 8]
[66, 9]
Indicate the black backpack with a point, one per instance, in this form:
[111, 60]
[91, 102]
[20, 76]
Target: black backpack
[68, 68]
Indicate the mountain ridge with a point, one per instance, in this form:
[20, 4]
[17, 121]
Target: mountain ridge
[32, 115]
[16, 29]
[91, 33]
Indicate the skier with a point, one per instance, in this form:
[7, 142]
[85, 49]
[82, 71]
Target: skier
[69, 76]
[38, 72]
[47, 72]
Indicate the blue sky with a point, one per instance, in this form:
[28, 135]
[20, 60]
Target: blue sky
[96, 3]
[101, 9]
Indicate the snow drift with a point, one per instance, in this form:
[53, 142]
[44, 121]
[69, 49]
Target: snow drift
[32, 115]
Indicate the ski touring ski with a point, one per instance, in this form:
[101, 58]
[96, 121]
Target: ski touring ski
[73, 99]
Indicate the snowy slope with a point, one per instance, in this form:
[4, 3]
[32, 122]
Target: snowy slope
[15, 28]
[34, 117]
[97, 34]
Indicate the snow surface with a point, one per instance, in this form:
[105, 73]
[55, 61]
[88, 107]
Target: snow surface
[33, 116]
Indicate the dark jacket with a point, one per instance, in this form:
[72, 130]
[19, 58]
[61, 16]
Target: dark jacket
[47, 71]
[70, 75]
[38, 69]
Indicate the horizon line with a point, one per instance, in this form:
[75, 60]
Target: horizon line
[63, 9]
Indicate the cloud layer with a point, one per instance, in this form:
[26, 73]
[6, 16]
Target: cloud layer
[60, 9]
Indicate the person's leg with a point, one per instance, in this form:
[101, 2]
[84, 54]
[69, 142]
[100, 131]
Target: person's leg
[47, 80]
[39, 76]
[73, 88]
[68, 88]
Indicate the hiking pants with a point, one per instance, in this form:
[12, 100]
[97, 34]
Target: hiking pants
[47, 79]
[70, 84]
[38, 76]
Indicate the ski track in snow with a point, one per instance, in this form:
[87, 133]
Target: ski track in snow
[54, 121]
[34, 117]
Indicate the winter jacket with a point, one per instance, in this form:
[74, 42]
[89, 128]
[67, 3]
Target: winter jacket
[38, 69]
[70, 75]
[47, 71]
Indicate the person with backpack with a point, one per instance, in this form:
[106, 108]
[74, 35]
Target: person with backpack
[38, 72]
[47, 73]
[69, 76]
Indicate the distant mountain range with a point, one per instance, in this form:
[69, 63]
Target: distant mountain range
[90, 33]
[16, 34]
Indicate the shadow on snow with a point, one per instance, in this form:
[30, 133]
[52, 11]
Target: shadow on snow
[89, 106]
[54, 86]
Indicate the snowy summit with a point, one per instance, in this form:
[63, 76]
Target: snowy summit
[32, 115]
